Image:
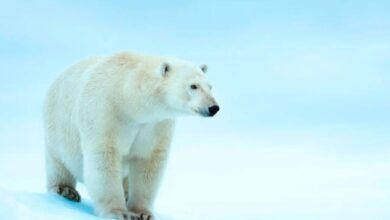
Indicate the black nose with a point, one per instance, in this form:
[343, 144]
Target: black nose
[213, 110]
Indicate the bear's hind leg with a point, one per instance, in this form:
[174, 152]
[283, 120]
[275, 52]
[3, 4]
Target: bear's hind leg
[59, 180]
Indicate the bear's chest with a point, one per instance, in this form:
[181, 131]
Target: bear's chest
[126, 135]
[137, 140]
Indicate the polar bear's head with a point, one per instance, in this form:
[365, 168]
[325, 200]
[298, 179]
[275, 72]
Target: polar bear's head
[186, 89]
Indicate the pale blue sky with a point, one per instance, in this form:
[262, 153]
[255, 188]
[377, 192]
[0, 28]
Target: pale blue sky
[274, 64]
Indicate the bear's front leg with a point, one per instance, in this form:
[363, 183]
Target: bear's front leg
[146, 169]
[102, 176]
[144, 179]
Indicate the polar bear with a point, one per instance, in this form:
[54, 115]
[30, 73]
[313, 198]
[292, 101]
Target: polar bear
[109, 123]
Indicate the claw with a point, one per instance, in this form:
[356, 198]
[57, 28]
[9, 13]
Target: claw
[68, 192]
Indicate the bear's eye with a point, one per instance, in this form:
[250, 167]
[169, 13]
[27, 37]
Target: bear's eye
[193, 86]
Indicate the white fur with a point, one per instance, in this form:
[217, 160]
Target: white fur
[110, 120]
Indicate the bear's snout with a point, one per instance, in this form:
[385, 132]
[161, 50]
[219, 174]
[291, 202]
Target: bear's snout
[213, 110]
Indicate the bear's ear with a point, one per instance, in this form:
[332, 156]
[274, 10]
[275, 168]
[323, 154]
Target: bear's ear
[164, 69]
[203, 68]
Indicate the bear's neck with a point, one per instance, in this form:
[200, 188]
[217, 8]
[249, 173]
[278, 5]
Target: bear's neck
[145, 105]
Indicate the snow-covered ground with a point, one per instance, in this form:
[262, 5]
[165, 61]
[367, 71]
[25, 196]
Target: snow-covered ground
[272, 176]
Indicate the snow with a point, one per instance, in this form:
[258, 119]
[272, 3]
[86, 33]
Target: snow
[230, 178]
[29, 205]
